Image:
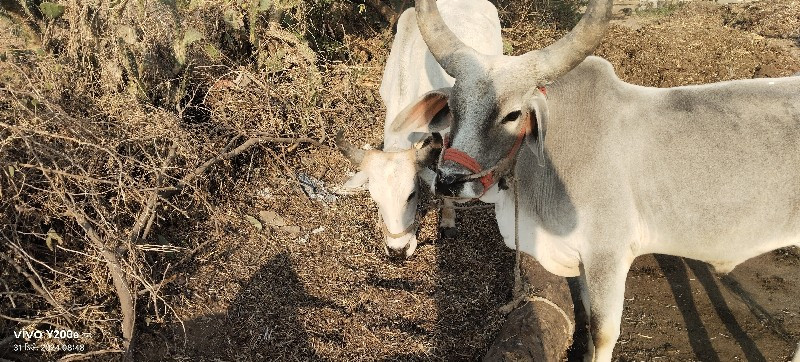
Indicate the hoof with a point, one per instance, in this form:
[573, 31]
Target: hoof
[449, 233]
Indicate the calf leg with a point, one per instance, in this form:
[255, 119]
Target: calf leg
[448, 221]
[603, 291]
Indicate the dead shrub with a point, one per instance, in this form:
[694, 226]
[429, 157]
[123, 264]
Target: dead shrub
[115, 118]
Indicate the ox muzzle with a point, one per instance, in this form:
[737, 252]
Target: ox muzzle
[458, 170]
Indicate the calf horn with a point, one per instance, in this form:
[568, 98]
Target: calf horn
[354, 154]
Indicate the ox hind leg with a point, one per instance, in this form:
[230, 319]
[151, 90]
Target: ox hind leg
[603, 293]
[448, 220]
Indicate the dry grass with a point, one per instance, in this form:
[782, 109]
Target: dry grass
[775, 19]
[693, 46]
[120, 130]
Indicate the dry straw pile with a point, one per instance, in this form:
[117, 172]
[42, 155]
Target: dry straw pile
[703, 43]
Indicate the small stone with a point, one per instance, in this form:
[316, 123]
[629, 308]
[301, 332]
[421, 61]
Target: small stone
[293, 230]
[271, 218]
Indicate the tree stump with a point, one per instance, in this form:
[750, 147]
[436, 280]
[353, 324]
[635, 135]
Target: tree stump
[537, 330]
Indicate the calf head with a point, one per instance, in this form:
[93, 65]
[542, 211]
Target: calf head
[393, 182]
[497, 103]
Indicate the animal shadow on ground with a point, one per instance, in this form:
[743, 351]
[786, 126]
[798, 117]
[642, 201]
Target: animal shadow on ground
[260, 324]
[474, 277]
[716, 316]
[265, 319]
[675, 271]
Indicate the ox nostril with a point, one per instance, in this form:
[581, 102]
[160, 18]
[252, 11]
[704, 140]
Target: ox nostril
[449, 178]
[445, 189]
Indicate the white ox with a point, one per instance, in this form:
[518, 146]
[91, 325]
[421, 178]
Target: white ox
[607, 170]
[411, 70]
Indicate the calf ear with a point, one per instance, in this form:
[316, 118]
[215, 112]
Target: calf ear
[426, 153]
[536, 112]
[427, 114]
[360, 181]
[355, 184]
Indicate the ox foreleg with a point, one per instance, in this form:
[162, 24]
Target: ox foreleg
[603, 293]
[448, 220]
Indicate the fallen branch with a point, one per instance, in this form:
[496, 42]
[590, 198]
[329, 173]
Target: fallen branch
[148, 212]
[39, 289]
[65, 174]
[126, 298]
[239, 150]
[155, 288]
[33, 321]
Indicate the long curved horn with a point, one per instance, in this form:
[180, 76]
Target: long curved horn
[560, 57]
[354, 154]
[448, 50]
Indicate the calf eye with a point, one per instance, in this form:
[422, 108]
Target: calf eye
[413, 193]
[511, 117]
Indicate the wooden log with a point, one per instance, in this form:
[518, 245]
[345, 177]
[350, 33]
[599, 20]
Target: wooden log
[541, 327]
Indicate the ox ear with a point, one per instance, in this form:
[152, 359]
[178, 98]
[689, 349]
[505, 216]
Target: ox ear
[427, 114]
[537, 115]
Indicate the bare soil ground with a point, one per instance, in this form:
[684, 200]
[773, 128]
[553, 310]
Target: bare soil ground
[320, 287]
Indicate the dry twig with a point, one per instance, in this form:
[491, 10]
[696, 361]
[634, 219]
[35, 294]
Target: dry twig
[126, 298]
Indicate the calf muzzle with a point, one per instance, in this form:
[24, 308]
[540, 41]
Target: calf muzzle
[397, 254]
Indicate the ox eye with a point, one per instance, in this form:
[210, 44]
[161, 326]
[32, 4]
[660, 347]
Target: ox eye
[511, 117]
[413, 193]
